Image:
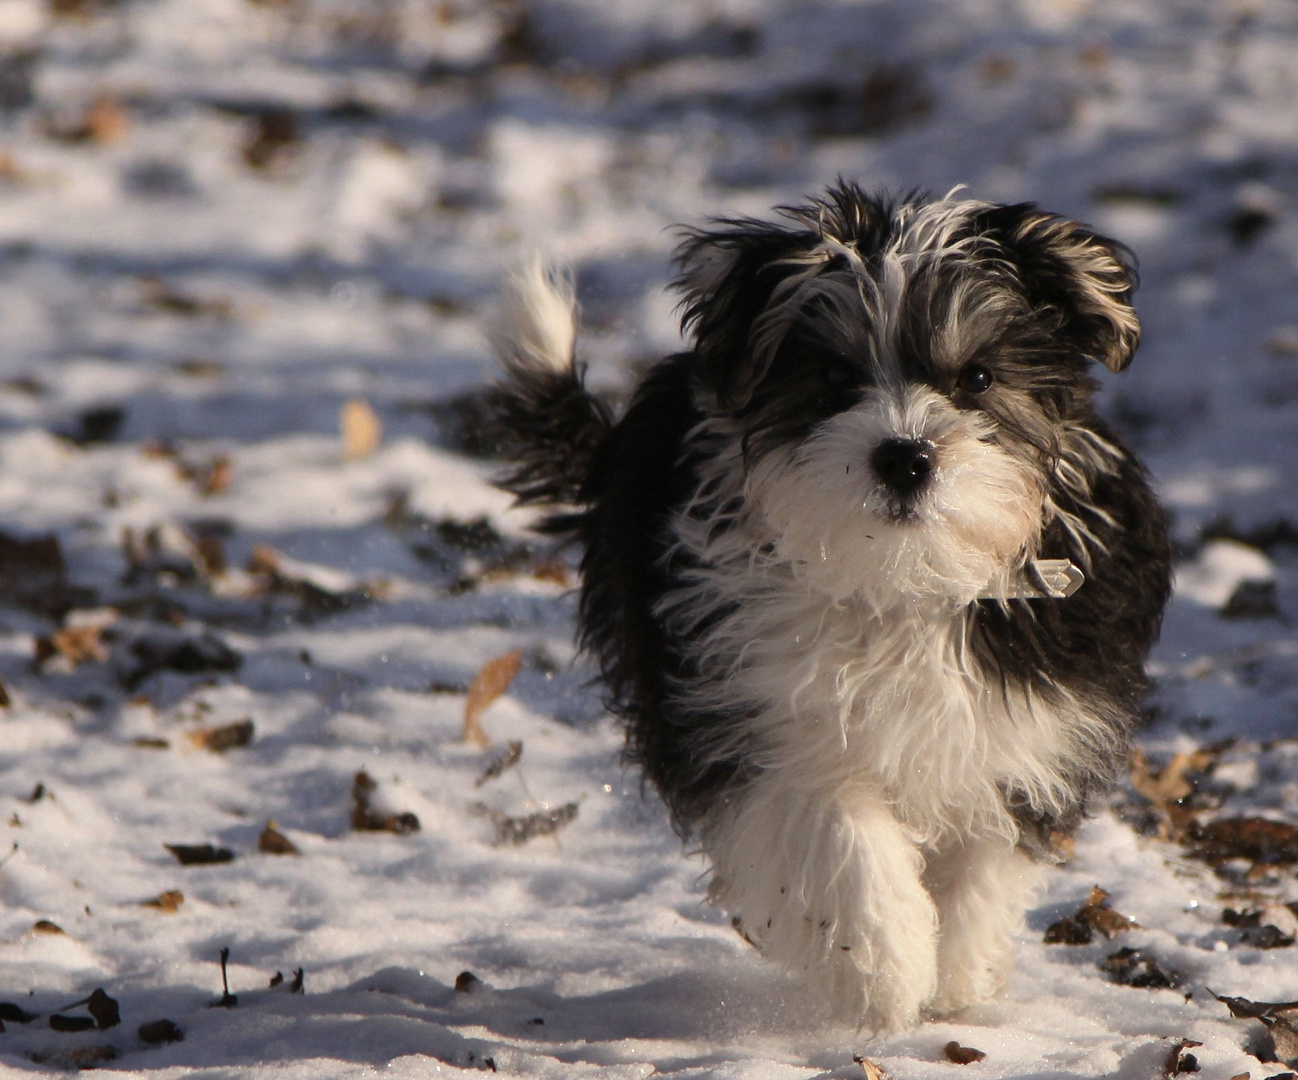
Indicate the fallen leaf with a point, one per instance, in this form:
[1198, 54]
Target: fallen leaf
[165, 550]
[1131, 967]
[515, 831]
[872, 1071]
[156, 1032]
[223, 738]
[167, 298]
[273, 842]
[501, 763]
[1274, 926]
[1259, 840]
[160, 650]
[1167, 787]
[59, 1022]
[275, 132]
[276, 579]
[104, 1009]
[199, 854]
[1094, 916]
[15, 1013]
[71, 1059]
[467, 983]
[367, 818]
[5, 699]
[962, 1055]
[168, 902]
[33, 574]
[297, 986]
[492, 680]
[44, 926]
[1178, 1061]
[104, 121]
[74, 645]
[98, 424]
[362, 430]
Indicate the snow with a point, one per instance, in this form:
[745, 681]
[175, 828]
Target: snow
[173, 247]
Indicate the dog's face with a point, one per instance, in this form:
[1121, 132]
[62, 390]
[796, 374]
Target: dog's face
[909, 381]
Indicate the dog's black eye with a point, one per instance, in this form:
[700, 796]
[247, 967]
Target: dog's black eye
[975, 379]
[838, 374]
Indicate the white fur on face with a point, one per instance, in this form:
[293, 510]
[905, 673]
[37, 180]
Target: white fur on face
[845, 534]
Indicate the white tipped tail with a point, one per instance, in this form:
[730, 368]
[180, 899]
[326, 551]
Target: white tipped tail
[535, 327]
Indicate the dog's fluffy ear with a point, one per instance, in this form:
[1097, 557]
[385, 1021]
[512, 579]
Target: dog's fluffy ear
[727, 276]
[1088, 278]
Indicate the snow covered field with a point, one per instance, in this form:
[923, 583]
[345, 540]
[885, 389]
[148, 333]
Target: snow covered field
[240, 237]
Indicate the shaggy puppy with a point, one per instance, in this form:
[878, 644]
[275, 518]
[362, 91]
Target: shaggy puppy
[867, 578]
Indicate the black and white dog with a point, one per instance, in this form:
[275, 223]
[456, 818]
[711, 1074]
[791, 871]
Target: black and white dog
[868, 579]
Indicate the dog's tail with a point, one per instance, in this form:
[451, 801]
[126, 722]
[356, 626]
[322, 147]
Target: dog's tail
[550, 425]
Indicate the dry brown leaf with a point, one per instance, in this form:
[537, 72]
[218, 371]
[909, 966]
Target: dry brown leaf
[199, 854]
[1131, 967]
[1170, 783]
[492, 680]
[962, 1055]
[872, 1071]
[264, 559]
[1260, 840]
[362, 430]
[75, 645]
[214, 478]
[1094, 916]
[73, 1058]
[1178, 1061]
[33, 573]
[210, 477]
[1167, 787]
[151, 742]
[44, 926]
[366, 818]
[274, 133]
[168, 902]
[516, 831]
[106, 121]
[273, 842]
[223, 738]
[155, 1032]
[501, 763]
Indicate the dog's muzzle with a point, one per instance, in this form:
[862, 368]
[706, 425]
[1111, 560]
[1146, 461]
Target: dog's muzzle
[903, 466]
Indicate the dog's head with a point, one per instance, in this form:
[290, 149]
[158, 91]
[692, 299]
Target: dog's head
[908, 380]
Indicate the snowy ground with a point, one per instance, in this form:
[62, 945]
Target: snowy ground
[222, 220]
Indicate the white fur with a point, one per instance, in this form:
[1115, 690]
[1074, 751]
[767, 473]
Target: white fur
[535, 325]
[842, 530]
[873, 848]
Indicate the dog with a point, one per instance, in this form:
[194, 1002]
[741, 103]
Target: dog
[867, 578]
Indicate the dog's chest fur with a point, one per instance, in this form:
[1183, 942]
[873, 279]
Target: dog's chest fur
[839, 695]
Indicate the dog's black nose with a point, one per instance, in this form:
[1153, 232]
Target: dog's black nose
[903, 464]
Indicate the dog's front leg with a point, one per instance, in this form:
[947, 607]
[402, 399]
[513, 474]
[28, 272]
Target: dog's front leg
[829, 884]
[982, 888]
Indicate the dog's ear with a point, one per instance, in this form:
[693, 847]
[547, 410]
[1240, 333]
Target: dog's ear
[727, 276]
[1087, 278]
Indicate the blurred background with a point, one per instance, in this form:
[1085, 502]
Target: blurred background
[249, 546]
